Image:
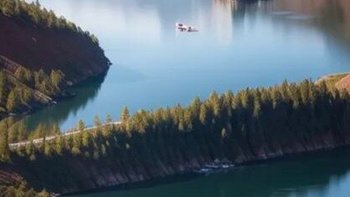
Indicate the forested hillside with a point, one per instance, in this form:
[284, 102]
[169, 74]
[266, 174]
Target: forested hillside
[24, 90]
[40, 55]
[251, 125]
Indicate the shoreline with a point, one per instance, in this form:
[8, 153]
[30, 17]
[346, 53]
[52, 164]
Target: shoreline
[122, 162]
[191, 175]
[64, 95]
[329, 76]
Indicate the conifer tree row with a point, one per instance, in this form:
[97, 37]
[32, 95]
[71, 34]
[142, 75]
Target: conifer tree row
[252, 121]
[249, 125]
[41, 17]
[21, 189]
[18, 89]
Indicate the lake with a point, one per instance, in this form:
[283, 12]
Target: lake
[315, 175]
[238, 45]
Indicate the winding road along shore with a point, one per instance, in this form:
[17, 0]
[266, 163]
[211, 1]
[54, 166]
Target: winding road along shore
[49, 138]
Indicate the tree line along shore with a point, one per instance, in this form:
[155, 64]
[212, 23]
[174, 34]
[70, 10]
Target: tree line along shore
[41, 55]
[250, 125]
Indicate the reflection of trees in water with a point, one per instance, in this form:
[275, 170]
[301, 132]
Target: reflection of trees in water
[86, 92]
[291, 177]
[335, 19]
[228, 3]
[330, 17]
[318, 174]
[226, 15]
[222, 20]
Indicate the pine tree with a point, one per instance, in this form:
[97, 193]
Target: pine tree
[2, 87]
[124, 117]
[203, 115]
[11, 101]
[86, 139]
[59, 145]
[56, 78]
[81, 126]
[109, 119]
[214, 101]
[4, 144]
[97, 122]
[55, 129]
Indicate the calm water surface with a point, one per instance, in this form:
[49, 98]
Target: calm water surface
[238, 46]
[321, 175]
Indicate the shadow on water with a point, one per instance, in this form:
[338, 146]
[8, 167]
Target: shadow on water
[125, 75]
[330, 18]
[85, 93]
[334, 21]
[234, 30]
[289, 36]
[308, 175]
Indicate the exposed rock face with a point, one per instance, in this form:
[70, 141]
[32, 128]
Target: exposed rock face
[39, 48]
[343, 83]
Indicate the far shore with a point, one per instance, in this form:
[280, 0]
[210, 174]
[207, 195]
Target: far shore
[336, 76]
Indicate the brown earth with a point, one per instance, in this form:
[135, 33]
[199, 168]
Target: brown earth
[40, 48]
[343, 83]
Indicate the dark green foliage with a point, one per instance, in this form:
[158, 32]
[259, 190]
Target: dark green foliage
[124, 117]
[252, 121]
[2, 86]
[17, 131]
[4, 141]
[44, 131]
[249, 125]
[41, 17]
[48, 84]
[20, 189]
[23, 87]
[81, 125]
[12, 101]
[56, 79]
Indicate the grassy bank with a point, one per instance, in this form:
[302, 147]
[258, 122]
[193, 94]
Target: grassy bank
[332, 79]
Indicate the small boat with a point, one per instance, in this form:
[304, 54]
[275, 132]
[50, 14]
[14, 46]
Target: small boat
[187, 28]
[212, 166]
[226, 166]
[204, 171]
[215, 166]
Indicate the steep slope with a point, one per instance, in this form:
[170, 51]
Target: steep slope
[40, 55]
[252, 125]
[38, 48]
[344, 83]
[341, 81]
[29, 97]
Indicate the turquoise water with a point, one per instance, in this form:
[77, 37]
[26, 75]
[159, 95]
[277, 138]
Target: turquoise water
[237, 46]
[320, 175]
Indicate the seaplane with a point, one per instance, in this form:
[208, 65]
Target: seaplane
[187, 28]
